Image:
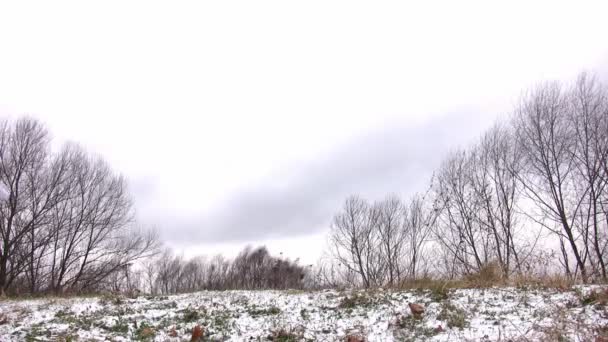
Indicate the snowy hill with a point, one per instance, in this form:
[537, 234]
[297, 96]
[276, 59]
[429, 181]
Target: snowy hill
[493, 314]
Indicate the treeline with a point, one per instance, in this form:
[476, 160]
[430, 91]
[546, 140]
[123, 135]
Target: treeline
[528, 199]
[66, 222]
[251, 269]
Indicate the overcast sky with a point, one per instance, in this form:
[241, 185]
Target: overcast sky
[250, 122]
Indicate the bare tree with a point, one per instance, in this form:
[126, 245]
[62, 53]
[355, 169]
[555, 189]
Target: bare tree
[67, 219]
[419, 219]
[458, 229]
[24, 155]
[93, 236]
[355, 242]
[588, 115]
[548, 142]
[390, 227]
[169, 269]
[496, 167]
[218, 273]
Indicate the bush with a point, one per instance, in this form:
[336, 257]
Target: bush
[190, 315]
[273, 310]
[285, 335]
[110, 298]
[144, 332]
[453, 316]
[354, 301]
[488, 275]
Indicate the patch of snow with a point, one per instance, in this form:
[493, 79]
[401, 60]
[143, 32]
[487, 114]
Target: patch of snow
[381, 315]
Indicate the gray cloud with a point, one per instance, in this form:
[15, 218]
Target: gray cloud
[397, 159]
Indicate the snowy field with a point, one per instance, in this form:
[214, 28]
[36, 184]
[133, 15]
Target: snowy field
[383, 315]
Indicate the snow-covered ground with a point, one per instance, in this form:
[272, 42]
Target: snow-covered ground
[381, 315]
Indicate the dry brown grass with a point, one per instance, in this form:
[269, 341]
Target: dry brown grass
[489, 276]
[558, 282]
